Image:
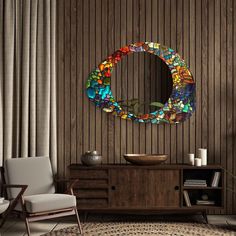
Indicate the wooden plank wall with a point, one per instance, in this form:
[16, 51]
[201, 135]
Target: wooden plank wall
[201, 31]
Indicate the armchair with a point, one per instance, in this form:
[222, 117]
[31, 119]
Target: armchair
[30, 184]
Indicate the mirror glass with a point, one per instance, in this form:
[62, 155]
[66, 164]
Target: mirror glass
[141, 82]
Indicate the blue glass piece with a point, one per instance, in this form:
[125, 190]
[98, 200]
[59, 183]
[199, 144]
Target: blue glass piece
[91, 93]
[93, 83]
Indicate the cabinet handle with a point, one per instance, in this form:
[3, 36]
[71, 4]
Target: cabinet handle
[113, 187]
[176, 187]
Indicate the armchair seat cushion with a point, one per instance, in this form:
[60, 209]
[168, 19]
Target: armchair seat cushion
[49, 202]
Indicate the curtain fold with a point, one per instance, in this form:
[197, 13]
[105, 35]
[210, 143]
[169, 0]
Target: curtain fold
[28, 79]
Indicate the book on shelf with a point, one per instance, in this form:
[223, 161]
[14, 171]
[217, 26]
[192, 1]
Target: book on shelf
[196, 180]
[205, 202]
[186, 198]
[216, 179]
[195, 183]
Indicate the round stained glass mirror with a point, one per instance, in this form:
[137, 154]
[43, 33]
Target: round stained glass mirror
[176, 102]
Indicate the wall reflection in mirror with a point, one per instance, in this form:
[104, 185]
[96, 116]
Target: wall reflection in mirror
[142, 83]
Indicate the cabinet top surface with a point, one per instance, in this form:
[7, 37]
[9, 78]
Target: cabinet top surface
[161, 166]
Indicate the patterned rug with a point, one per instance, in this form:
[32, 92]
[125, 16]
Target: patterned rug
[133, 225]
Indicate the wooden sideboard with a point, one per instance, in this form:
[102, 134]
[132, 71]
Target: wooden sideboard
[144, 188]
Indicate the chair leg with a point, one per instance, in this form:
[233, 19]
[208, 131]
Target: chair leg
[27, 226]
[78, 221]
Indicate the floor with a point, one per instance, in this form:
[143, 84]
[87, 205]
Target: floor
[16, 227]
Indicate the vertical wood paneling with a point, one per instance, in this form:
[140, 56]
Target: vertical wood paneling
[234, 100]
[173, 34]
[79, 80]
[217, 69]
[154, 128]
[147, 83]
[73, 82]
[202, 31]
[161, 17]
[192, 65]
[111, 119]
[86, 70]
[123, 40]
[142, 36]
[167, 41]
[211, 78]
[185, 55]
[198, 75]
[92, 61]
[104, 127]
[179, 48]
[223, 92]
[98, 57]
[229, 99]
[117, 82]
[130, 77]
[136, 30]
[204, 82]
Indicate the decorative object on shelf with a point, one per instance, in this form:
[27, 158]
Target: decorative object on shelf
[178, 108]
[191, 159]
[146, 159]
[198, 162]
[216, 179]
[91, 158]
[202, 154]
[187, 199]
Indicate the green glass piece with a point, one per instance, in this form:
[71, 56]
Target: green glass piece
[87, 83]
[107, 81]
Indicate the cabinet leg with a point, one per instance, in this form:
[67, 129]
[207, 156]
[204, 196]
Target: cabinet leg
[204, 214]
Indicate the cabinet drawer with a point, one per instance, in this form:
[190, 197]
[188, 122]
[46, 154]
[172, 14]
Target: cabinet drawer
[92, 184]
[91, 193]
[89, 174]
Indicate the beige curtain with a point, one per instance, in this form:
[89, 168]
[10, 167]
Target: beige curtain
[28, 79]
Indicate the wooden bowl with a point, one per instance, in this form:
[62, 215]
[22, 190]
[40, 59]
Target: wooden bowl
[146, 159]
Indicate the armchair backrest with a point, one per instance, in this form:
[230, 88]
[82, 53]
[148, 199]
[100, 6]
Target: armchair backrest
[36, 172]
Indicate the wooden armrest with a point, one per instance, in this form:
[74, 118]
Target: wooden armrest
[15, 200]
[20, 194]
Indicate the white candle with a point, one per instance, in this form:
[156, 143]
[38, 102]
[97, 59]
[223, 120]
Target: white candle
[197, 162]
[191, 159]
[202, 153]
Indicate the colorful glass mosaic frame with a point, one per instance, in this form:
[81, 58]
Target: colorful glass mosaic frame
[181, 103]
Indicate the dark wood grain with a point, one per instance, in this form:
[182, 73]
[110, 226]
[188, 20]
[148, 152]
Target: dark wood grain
[125, 192]
[161, 188]
[202, 31]
[179, 48]
[73, 82]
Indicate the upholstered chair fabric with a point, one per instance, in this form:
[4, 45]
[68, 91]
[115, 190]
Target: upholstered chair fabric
[36, 172]
[49, 202]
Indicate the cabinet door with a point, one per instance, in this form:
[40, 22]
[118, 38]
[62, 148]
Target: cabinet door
[163, 188]
[127, 188]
